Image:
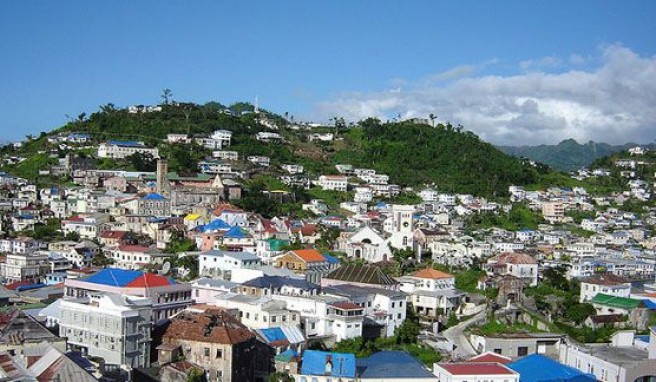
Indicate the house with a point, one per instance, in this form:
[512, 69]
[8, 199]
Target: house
[21, 267]
[270, 285]
[45, 363]
[518, 265]
[267, 136]
[474, 371]
[215, 262]
[113, 327]
[432, 292]
[154, 204]
[204, 290]
[515, 345]
[216, 342]
[259, 160]
[20, 333]
[538, 368]
[636, 310]
[384, 307]
[627, 358]
[393, 365]
[608, 284]
[223, 136]
[122, 149]
[305, 261]
[110, 237]
[333, 182]
[134, 256]
[293, 169]
[360, 275]
[227, 155]
[258, 312]
[167, 296]
[553, 212]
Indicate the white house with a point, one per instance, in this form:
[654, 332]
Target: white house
[333, 182]
[122, 149]
[216, 262]
[431, 292]
[608, 284]
[515, 264]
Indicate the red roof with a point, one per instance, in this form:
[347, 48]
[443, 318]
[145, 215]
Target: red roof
[133, 248]
[149, 280]
[430, 273]
[346, 306]
[17, 284]
[490, 357]
[113, 234]
[516, 258]
[475, 368]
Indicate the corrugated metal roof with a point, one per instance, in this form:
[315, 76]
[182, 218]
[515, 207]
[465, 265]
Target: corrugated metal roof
[538, 368]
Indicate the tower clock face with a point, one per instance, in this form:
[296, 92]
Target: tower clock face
[406, 224]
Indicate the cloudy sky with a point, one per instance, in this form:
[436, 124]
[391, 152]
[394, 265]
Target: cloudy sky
[514, 72]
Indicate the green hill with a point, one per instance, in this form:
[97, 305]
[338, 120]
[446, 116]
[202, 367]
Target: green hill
[411, 154]
[568, 155]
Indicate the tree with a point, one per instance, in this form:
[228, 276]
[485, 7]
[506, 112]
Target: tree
[280, 377]
[432, 118]
[408, 331]
[578, 313]
[196, 375]
[72, 236]
[100, 260]
[167, 96]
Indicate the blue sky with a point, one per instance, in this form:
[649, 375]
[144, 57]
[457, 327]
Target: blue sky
[511, 71]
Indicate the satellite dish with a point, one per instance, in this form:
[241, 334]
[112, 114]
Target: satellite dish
[166, 268]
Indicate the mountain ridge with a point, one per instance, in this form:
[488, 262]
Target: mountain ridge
[568, 155]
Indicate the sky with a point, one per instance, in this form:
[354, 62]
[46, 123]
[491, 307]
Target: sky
[513, 72]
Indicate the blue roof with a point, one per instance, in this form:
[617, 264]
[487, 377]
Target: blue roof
[214, 225]
[538, 368]
[153, 196]
[331, 259]
[126, 143]
[236, 232]
[273, 334]
[392, 364]
[649, 304]
[113, 277]
[314, 363]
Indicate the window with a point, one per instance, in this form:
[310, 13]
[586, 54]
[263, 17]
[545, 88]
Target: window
[400, 304]
[219, 353]
[392, 304]
[206, 352]
[498, 351]
[522, 351]
[273, 318]
[398, 316]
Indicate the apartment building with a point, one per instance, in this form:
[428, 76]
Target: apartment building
[114, 327]
[122, 149]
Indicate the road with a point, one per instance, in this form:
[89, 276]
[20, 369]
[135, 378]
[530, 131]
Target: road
[464, 349]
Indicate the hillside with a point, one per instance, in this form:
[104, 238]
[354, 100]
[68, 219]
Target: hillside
[411, 154]
[568, 155]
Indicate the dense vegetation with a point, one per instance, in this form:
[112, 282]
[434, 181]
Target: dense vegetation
[411, 154]
[568, 155]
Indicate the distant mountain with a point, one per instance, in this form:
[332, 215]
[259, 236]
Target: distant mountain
[568, 155]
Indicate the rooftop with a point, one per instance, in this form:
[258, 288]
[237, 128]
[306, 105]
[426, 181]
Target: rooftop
[430, 273]
[476, 368]
[616, 302]
[364, 274]
[211, 326]
[125, 278]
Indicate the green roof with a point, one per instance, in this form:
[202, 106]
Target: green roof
[616, 302]
[277, 244]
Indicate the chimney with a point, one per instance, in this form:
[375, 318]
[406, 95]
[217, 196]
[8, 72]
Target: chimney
[162, 171]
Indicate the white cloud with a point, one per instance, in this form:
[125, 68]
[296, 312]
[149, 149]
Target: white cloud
[612, 103]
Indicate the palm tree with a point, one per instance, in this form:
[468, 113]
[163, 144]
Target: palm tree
[432, 118]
